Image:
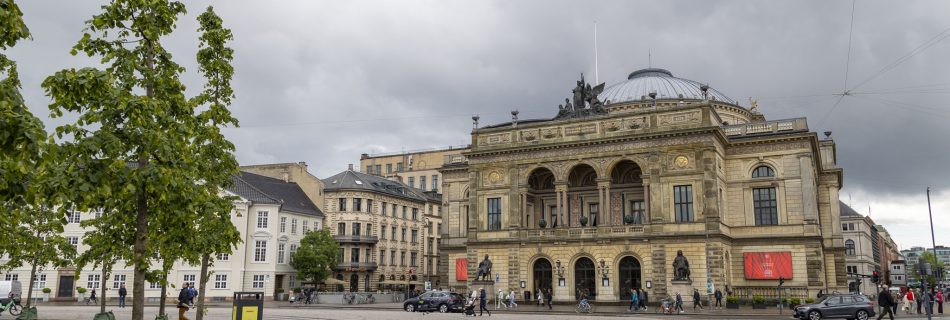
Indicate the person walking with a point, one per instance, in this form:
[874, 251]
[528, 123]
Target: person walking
[499, 299]
[122, 294]
[512, 303]
[644, 297]
[911, 302]
[923, 299]
[482, 301]
[540, 297]
[696, 300]
[679, 303]
[886, 302]
[919, 298]
[718, 296]
[92, 296]
[192, 294]
[634, 300]
[940, 302]
[183, 296]
[549, 297]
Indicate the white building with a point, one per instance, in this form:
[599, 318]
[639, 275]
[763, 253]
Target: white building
[898, 274]
[272, 216]
[860, 249]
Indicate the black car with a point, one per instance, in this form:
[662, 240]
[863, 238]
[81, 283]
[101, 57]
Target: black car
[435, 301]
[848, 306]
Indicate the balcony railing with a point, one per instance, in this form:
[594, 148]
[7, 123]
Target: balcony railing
[768, 127]
[356, 239]
[586, 232]
[356, 266]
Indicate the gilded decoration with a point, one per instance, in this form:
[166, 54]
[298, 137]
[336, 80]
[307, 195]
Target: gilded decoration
[681, 162]
[494, 178]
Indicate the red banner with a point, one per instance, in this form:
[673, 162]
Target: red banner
[768, 265]
[461, 269]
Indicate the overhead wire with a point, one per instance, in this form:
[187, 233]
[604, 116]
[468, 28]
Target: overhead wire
[921, 48]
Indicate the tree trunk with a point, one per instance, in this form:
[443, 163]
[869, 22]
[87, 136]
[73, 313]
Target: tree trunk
[105, 275]
[141, 261]
[161, 301]
[29, 293]
[199, 315]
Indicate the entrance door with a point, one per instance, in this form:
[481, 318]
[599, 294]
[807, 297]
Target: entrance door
[278, 283]
[542, 275]
[354, 283]
[629, 276]
[65, 287]
[584, 278]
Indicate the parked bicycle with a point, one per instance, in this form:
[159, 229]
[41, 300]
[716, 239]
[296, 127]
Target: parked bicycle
[664, 307]
[361, 299]
[583, 307]
[12, 304]
[349, 298]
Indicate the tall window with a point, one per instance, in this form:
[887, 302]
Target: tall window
[280, 253]
[355, 255]
[220, 281]
[341, 229]
[412, 259]
[415, 213]
[422, 183]
[342, 204]
[383, 207]
[399, 166]
[404, 211]
[293, 226]
[382, 232]
[306, 226]
[402, 258]
[258, 281]
[118, 281]
[262, 219]
[382, 257]
[683, 203]
[260, 251]
[283, 224]
[637, 210]
[73, 240]
[357, 204]
[92, 281]
[412, 182]
[392, 257]
[73, 216]
[39, 281]
[765, 206]
[762, 172]
[593, 209]
[356, 228]
[341, 255]
[403, 234]
[494, 213]
[293, 250]
[389, 168]
[369, 205]
[379, 169]
[369, 229]
[393, 234]
[369, 169]
[849, 247]
[435, 183]
[415, 235]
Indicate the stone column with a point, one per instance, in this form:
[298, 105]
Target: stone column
[809, 189]
[560, 188]
[605, 218]
[647, 213]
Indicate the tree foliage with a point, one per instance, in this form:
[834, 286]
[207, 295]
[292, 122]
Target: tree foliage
[317, 255]
[935, 265]
[139, 145]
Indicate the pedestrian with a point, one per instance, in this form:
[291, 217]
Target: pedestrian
[540, 297]
[193, 293]
[511, 299]
[919, 298]
[679, 303]
[92, 296]
[634, 300]
[183, 296]
[911, 302]
[696, 300]
[482, 301]
[819, 294]
[644, 297]
[718, 295]
[923, 299]
[122, 293]
[886, 302]
[940, 302]
[549, 297]
[499, 299]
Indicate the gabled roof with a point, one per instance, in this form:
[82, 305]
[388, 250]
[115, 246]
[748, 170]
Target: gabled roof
[847, 211]
[262, 189]
[352, 180]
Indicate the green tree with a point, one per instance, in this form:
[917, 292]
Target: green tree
[935, 264]
[37, 241]
[317, 255]
[151, 153]
[109, 241]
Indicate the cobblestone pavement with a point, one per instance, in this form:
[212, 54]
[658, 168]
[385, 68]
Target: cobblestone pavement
[392, 311]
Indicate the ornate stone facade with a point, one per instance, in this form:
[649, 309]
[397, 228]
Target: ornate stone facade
[605, 202]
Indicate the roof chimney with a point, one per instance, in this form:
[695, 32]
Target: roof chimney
[350, 168]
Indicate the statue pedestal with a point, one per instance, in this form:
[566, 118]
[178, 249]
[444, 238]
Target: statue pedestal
[684, 287]
[488, 285]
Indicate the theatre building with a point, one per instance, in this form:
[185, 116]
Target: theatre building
[601, 197]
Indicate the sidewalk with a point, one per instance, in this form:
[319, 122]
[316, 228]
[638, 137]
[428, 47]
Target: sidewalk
[604, 309]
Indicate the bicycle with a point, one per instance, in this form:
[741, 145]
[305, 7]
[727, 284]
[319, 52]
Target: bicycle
[664, 307]
[369, 298]
[12, 304]
[583, 307]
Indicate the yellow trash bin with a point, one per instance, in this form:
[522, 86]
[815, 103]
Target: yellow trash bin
[248, 306]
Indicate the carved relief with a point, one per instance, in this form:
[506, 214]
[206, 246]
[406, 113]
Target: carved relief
[637, 123]
[770, 147]
[580, 129]
[594, 149]
[495, 139]
[611, 125]
[679, 118]
[681, 162]
[494, 177]
[529, 135]
[551, 133]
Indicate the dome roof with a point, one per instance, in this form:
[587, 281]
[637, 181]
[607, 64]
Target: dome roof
[642, 82]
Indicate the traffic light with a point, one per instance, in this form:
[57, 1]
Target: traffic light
[875, 277]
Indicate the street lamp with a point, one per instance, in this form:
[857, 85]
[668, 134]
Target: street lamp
[605, 273]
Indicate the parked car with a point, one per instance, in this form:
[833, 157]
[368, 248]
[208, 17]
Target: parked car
[848, 306]
[435, 301]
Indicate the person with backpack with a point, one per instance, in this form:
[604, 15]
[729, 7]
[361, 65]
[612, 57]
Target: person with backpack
[679, 303]
[183, 297]
[122, 294]
[192, 293]
[644, 299]
[634, 300]
[886, 302]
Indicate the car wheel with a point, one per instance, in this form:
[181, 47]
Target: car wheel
[444, 308]
[814, 315]
[861, 315]
[410, 307]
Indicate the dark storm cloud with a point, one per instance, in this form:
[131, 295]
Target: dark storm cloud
[324, 81]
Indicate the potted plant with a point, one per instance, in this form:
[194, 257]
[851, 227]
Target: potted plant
[732, 302]
[46, 292]
[281, 296]
[795, 302]
[758, 302]
[809, 300]
[628, 219]
[542, 223]
[82, 293]
[583, 221]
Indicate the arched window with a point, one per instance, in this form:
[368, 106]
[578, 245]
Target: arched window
[763, 171]
[849, 247]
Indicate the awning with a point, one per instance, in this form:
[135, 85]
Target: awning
[332, 281]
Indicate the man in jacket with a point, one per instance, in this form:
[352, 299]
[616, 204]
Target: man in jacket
[886, 302]
[482, 301]
[718, 295]
[183, 296]
[549, 297]
[122, 293]
[696, 300]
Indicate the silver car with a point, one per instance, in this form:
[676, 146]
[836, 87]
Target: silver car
[848, 306]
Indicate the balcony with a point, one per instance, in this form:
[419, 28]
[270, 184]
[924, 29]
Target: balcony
[766, 128]
[356, 239]
[356, 267]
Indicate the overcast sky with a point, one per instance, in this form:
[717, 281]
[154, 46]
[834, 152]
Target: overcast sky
[324, 81]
